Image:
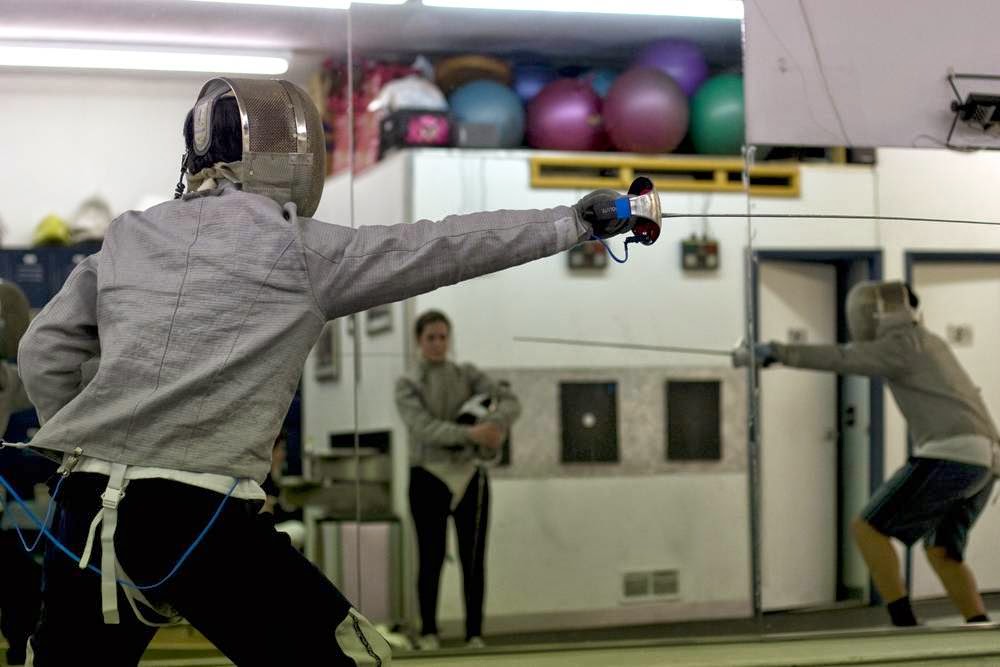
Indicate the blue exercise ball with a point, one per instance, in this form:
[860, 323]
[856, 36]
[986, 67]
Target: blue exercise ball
[600, 79]
[529, 79]
[490, 103]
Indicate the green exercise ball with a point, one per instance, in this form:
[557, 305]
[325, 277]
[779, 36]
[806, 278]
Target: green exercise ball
[717, 121]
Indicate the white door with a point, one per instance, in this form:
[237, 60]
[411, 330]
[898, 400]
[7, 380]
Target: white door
[961, 303]
[798, 441]
[855, 435]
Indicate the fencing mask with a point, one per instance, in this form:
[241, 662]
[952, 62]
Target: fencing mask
[473, 411]
[871, 304]
[284, 149]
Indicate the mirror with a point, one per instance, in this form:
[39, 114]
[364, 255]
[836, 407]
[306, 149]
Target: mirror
[586, 520]
[525, 436]
[842, 444]
[859, 440]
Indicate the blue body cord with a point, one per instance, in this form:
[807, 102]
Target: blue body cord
[43, 527]
[611, 252]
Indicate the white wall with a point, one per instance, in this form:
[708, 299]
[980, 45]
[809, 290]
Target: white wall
[647, 300]
[78, 136]
[560, 546]
[67, 137]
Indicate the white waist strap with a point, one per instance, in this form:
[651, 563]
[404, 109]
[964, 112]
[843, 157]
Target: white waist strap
[112, 495]
[111, 569]
[135, 596]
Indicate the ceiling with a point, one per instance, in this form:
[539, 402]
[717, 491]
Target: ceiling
[403, 30]
[600, 36]
[174, 22]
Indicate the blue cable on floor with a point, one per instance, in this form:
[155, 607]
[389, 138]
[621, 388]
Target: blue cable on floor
[43, 527]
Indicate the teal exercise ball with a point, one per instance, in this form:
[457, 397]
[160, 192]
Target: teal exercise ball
[490, 103]
[717, 118]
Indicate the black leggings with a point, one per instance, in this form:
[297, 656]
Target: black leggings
[244, 587]
[430, 503]
[20, 593]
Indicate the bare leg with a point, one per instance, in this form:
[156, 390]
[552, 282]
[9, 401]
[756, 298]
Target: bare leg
[958, 580]
[881, 558]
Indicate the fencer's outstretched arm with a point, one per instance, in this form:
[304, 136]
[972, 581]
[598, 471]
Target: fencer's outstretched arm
[424, 426]
[887, 356]
[508, 407]
[60, 339]
[351, 270]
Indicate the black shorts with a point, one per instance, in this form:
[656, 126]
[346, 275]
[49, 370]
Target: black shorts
[933, 499]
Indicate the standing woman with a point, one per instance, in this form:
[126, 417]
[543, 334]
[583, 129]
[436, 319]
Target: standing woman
[446, 475]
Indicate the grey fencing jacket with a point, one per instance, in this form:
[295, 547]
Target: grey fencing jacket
[937, 397]
[428, 399]
[203, 310]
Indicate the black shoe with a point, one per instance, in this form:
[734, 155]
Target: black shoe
[16, 656]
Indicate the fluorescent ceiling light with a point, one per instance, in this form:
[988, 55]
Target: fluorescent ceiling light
[311, 4]
[316, 4]
[720, 9]
[138, 59]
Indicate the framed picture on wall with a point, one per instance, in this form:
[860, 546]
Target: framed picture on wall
[378, 320]
[326, 361]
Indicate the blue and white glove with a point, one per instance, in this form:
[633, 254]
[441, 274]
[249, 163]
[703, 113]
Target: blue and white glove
[600, 209]
[765, 354]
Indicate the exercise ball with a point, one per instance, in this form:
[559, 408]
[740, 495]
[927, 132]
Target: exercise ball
[529, 79]
[717, 122]
[565, 116]
[679, 58]
[600, 79]
[646, 112]
[490, 103]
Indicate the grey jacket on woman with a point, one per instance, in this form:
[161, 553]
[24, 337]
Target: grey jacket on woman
[429, 398]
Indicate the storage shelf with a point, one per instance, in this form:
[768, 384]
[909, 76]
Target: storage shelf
[679, 174]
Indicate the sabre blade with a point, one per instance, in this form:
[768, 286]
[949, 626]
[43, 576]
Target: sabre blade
[624, 346]
[830, 216]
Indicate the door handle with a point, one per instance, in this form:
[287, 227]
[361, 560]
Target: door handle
[850, 416]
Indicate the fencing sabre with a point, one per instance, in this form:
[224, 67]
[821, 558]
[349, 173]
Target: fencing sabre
[625, 346]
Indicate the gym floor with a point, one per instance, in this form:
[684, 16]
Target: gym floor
[847, 636]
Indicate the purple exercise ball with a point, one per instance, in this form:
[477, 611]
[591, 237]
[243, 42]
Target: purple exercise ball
[646, 112]
[679, 58]
[565, 116]
[530, 78]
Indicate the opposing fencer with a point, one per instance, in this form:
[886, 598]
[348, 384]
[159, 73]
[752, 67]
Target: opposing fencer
[944, 486]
